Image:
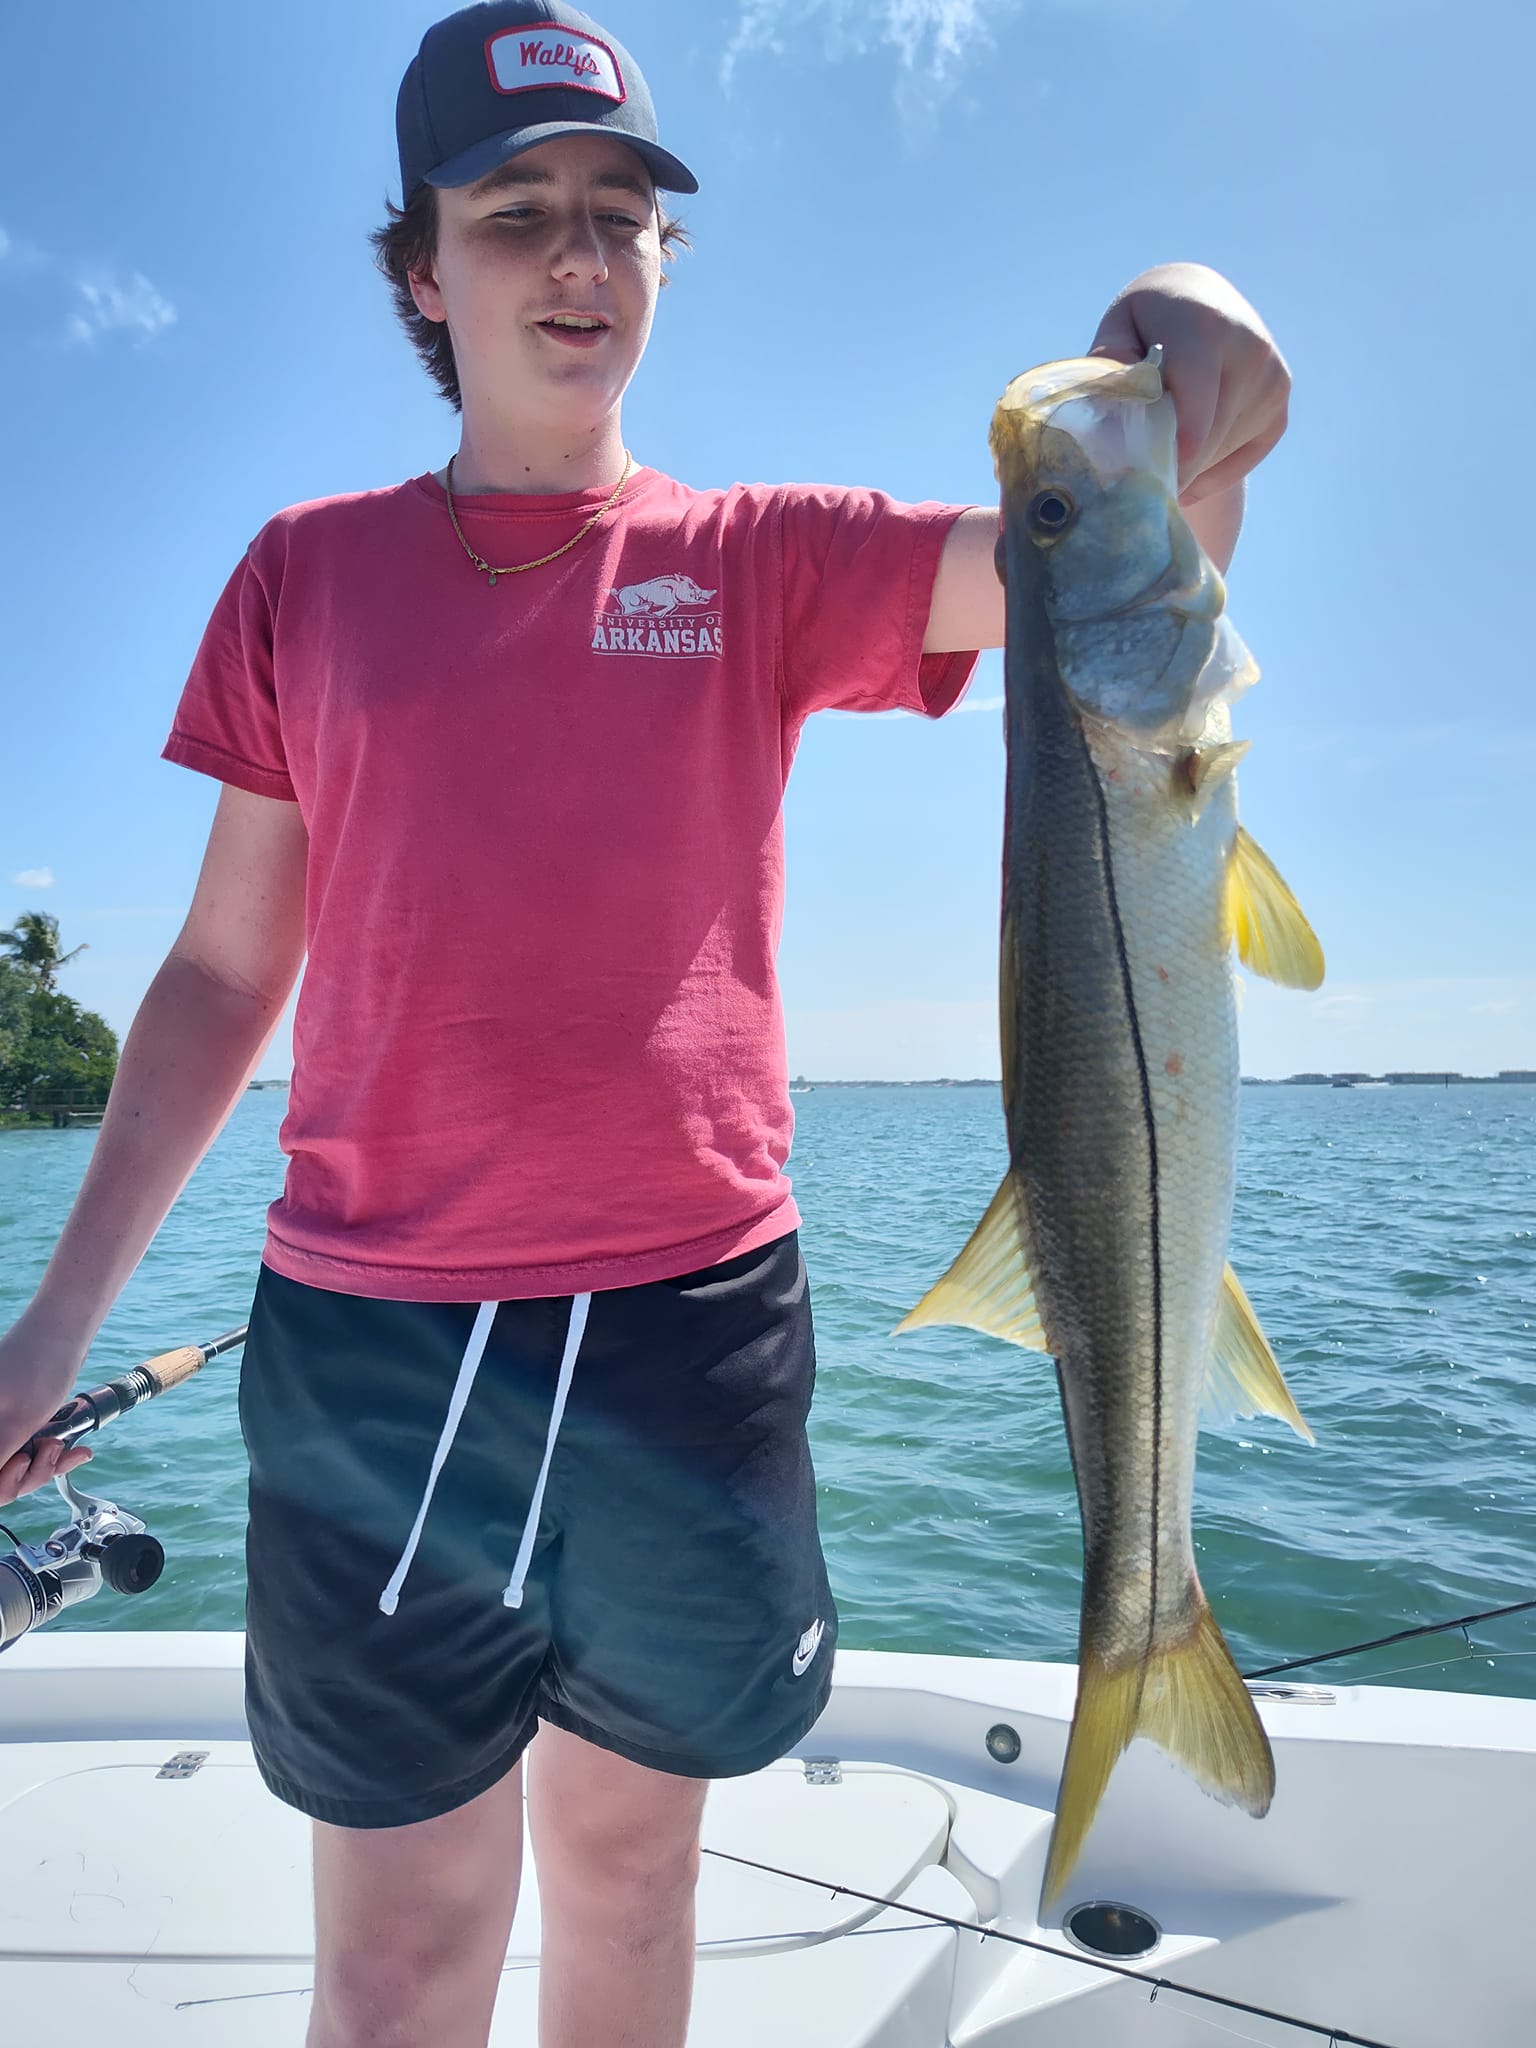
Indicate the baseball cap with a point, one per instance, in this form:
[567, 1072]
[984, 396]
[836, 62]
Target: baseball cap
[504, 76]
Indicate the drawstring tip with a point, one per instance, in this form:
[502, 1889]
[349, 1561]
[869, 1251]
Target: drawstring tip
[389, 1600]
[513, 1597]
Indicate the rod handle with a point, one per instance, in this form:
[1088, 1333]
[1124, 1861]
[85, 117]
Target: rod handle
[172, 1367]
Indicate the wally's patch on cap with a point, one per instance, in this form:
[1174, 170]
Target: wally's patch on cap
[532, 60]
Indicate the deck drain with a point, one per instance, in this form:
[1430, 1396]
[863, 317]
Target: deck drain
[1105, 1927]
[1003, 1744]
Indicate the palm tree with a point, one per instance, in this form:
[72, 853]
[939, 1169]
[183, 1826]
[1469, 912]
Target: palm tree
[34, 944]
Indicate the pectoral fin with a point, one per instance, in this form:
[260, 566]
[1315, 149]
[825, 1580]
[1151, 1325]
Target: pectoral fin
[1242, 1377]
[990, 1286]
[1273, 937]
[1207, 768]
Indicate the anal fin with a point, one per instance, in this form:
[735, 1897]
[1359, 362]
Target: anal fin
[990, 1286]
[1243, 1377]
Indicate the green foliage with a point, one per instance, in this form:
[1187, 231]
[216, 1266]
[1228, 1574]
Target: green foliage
[16, 984]
[51, 1050]
[34, 943]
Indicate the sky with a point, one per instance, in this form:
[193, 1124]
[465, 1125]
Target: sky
[903, 203]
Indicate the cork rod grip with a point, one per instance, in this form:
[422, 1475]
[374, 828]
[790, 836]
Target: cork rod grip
[172, 1367]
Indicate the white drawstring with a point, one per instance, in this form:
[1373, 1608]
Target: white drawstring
[469, 1365]
[580, 1303]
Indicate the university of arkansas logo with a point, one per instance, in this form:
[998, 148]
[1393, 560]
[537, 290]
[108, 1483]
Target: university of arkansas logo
[664, 615]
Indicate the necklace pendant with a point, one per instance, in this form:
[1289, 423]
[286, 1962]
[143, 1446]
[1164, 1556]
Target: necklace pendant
[493, 579]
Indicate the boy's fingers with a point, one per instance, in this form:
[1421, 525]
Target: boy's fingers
[26, 1472]
[13, 1478]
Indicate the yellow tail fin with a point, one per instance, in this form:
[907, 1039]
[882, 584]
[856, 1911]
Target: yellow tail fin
[1192, 1702]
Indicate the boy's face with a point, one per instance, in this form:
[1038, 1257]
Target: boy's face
[567, 228]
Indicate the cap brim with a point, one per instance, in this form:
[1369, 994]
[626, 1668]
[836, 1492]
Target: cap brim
[470, 165]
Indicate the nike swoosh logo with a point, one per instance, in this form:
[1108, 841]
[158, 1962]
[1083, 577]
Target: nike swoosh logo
[806, 1648]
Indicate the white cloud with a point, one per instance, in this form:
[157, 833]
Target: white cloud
[18, 256]
[933, 40]
[107, 305]
[102, 299]
[978, 704]
[34, 878]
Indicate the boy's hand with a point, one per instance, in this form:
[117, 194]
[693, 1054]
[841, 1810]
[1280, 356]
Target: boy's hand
[37, 1376]
[1228, 381]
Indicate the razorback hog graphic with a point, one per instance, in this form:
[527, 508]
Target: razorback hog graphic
[658, 597]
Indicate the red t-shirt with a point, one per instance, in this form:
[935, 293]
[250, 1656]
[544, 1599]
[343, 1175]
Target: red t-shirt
[539, 1047]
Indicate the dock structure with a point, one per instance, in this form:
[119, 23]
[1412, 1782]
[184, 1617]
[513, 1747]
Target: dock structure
[75, 1107]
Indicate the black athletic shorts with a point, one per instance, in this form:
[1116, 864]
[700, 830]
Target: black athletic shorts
[597, 1512]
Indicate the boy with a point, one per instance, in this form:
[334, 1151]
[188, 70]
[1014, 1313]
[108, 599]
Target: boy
[503, 750]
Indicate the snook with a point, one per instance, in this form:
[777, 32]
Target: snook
[1126, 878]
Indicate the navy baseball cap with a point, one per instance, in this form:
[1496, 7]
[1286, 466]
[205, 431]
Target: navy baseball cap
[504, 76]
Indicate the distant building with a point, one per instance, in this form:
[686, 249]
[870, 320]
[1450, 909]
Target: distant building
[1423, 1080]
[1517, 1073]
[1308, 1080]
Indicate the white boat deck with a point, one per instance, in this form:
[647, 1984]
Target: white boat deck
[1385, 1894]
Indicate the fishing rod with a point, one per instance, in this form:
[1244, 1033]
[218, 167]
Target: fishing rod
[1333, 2035]
[94, 1410]
[1402, 1635]
[101, 1543]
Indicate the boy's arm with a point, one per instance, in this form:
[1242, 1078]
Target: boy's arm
[1231, 389]
[200, 1031]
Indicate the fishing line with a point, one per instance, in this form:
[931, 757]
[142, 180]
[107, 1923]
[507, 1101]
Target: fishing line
[1339, 2035]
[1470, 1656]
[1403, 1635]
[1232, 2033]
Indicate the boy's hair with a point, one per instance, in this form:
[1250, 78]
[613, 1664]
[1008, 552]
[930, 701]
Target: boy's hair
[409, 242]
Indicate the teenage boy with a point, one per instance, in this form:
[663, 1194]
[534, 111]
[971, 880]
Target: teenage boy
[503, 749]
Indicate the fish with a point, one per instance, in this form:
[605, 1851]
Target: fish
[1127, 883]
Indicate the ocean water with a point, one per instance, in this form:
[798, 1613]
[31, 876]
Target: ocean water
[1387, 1238]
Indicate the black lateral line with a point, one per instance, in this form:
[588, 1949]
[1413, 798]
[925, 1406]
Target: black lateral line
[1153, 1191]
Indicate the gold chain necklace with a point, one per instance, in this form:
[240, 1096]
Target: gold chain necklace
[517, 568]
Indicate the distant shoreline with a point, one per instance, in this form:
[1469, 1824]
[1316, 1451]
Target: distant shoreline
[1510, 1076]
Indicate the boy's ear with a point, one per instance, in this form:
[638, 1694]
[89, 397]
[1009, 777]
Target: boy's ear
[429, 300]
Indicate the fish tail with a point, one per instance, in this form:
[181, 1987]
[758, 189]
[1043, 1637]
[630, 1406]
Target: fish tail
[1190, 1699]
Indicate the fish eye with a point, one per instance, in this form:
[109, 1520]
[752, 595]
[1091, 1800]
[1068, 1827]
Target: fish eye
[1051, 512]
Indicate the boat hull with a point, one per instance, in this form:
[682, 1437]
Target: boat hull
[1376, 1897]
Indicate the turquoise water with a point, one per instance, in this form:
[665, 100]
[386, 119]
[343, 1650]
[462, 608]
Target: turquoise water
[1386, 1236]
